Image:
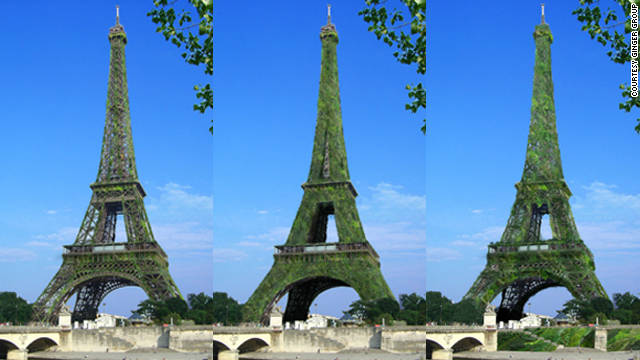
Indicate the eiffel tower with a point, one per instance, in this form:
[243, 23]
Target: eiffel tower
[521, 264]
[306, 265]
[95, 264]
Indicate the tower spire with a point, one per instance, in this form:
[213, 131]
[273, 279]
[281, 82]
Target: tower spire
[329, 158]
[328, 13]
[542, 8]
[543, 152]
[117, 160]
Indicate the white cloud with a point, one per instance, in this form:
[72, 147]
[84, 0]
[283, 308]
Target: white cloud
[612, 235]
[438, 254]
[608, 219]
[12, 255]
[395, 236]
[184, 236]
[486, 235]
[465, 243]
[40, 244]
[256, 245]
[51, 212]
[603, 195]
[477, 211]
[66, 236]
[602, 202]
[276, 235]
[262, 212]
[228, 255]
[388, 196]
[176, 196]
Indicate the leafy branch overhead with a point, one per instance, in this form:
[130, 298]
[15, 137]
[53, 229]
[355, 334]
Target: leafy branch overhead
[407, 35]
[194, 32]
[610, 28]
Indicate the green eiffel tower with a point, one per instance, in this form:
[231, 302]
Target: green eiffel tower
[95, 264]
[306, 265]
[521, 264]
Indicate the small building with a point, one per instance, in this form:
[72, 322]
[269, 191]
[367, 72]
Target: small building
[320, 321]
[139, 320]
[109, 320]
[350, 321]
[563, 319]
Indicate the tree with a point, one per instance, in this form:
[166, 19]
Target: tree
[587, 311]
[627, 308]
[14, 309]
[610, 30]
[467, 311]
[163, 311]
[372, 311]
[413, 309]
[438, 307]
[201, 308]
[180, 28]
[226, 309]
[410, 45]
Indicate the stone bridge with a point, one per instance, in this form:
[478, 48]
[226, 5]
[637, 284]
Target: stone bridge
[17, 341]
[226, 342]
[443, 341]
[229, 342]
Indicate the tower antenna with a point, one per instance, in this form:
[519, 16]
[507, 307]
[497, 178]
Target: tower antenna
[328, 13]
[117, 15]
[542, 6]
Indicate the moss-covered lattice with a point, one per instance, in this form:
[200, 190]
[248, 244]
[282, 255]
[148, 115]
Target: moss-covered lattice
[306, 265]
[522, 263]
[95, 264]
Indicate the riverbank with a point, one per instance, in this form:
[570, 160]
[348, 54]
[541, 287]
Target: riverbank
[565, 354]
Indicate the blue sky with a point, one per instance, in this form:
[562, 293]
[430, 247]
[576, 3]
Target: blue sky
[55, 69]
[479, 81]
[267, 61]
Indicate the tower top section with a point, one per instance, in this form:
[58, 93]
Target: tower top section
[117, 30]
[543, 152]
[117, 160]
[329, 158]
[328, 31]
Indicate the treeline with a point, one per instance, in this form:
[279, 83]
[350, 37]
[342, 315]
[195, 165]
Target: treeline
[443, 311]
[200, 308]
[411, 309]
[221, 308]
[624, 308]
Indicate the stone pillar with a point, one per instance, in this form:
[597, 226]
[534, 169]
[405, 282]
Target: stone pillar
[229, 355]
[600, 342]
[17, 354]
[490, 329]
[490, 340]
[442, 354]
